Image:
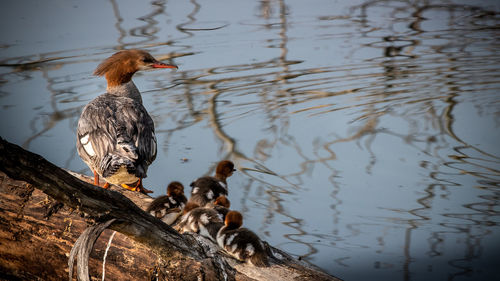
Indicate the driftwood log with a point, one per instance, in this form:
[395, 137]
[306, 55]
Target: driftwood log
[44, 209]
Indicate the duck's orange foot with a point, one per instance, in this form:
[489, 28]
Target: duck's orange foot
[138, 187]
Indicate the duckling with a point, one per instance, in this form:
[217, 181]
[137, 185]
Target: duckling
[206, 189]
[202, 220]
[221, 205]
[241, 243]
[169, 207]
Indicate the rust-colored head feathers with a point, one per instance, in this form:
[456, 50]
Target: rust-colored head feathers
[119, 68]
[175, 188]
[222, 201]
[225, 168]
[233, 220]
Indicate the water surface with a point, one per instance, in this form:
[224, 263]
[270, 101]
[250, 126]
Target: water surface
[366, 133]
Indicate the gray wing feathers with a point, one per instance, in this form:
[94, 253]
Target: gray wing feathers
[120, 132]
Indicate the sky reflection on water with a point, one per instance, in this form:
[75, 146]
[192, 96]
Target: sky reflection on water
[366, 133]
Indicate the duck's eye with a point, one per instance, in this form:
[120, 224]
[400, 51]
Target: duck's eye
[147, 60]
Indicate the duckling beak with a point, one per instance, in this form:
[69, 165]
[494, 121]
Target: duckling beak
[158, 64]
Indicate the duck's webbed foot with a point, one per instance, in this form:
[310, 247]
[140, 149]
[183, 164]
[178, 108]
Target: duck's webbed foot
[138, 187]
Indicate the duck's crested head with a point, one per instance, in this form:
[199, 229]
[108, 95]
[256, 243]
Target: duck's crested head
[189, 206]
[225, 168]
[233, 220]
[120, 67]
[222, 201]
[175, 188]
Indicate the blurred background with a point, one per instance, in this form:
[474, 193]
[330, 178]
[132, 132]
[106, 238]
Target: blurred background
[366, 134]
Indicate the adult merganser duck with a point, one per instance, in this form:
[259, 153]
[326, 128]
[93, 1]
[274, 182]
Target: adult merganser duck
[206, 189]
[202, 220]
[241, 243]
[115, 134]
[169, 207]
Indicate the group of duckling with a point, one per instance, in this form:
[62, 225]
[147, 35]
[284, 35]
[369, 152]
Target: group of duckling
[207, 213]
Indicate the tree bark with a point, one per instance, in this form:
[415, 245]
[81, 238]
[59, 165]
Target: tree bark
[36, 234]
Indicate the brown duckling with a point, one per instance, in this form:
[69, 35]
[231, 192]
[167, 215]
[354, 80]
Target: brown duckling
[206, 189]
[241, 243]
[221, 205]
[202, 220]
[169, 207]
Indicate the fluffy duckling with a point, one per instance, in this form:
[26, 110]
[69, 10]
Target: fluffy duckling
[241, 243]
[201, 220]
[221, 205]
[169, 207]
[206, 189]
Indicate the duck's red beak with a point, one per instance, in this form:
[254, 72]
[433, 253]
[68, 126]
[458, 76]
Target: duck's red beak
[158, 64]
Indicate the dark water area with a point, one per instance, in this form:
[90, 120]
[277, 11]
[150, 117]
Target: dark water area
[366, 134]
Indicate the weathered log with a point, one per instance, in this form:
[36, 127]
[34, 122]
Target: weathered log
[33, 247]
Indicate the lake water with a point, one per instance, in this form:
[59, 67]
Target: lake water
[366, 133]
